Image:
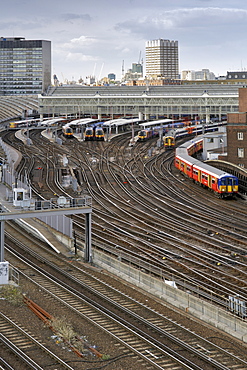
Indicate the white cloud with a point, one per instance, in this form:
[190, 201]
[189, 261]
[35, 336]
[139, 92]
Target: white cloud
[79, 57]
[188, 18]
[210, 33]
[84, 41]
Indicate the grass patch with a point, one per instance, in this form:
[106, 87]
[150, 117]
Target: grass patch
[12, 294]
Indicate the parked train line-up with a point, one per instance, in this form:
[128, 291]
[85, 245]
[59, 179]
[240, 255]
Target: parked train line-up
[221, 183]
[178, 129]
[94, 132]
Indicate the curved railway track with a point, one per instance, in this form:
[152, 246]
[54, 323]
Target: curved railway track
[145, 211]
[184, 238]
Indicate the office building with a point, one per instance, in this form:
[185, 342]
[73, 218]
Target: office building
[204, 74]
[134, 73]
[25, 66]
[162, 59]
[112, 76]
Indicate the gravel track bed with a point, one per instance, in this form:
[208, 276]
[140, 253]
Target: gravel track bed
[96, 337]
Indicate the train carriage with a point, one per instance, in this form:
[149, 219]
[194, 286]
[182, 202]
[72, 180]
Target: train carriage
[184, 165]
[195, 147]
[146, 134]
[220, 182]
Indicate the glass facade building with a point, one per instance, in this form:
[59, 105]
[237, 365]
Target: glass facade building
[25, 66]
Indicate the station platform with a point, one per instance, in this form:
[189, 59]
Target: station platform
[33, 225]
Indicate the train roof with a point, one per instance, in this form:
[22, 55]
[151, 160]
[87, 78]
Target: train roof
[155, 123]
[52, 121]
[211, 170]
[188, 160]
[121, 121]
[182, 154]
[81, 122]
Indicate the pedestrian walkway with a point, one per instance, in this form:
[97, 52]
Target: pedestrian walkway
[32, 225]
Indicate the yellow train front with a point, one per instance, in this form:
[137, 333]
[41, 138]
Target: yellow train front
[13, 125]
[99, 134]
[89, 134]
[169, 142]
[67, 132]
[145, 134]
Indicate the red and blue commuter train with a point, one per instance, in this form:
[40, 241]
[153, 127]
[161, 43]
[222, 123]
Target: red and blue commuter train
[180, 129]
[148, 133]
[221, 183]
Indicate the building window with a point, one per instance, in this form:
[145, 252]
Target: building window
[240, 136]
[241, 165]
[240, 152]
[210, 140]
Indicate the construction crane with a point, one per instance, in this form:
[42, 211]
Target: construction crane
[140, 60]
[123, 69]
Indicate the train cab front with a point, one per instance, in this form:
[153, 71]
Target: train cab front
[228, 186]
[88, 135]
[99, 134]
[142, 135]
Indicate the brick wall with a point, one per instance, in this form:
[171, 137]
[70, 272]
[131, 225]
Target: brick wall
[242, 99]
[233, 144]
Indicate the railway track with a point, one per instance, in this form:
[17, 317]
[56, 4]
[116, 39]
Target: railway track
[156, 339]
[126, 185]
[142, 208]
[23, 349]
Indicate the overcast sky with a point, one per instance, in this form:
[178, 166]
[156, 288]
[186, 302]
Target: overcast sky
[96, 36]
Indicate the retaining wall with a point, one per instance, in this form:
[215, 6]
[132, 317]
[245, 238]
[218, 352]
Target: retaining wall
[209, 313]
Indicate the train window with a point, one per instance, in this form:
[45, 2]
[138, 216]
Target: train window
[188, 168]
[142, 133]
[213, 180]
